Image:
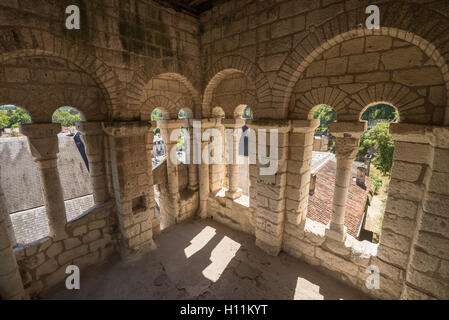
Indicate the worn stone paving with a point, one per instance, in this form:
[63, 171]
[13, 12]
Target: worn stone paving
[202, 259]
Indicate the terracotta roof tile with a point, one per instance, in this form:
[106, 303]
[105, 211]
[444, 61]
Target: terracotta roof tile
[320, 204]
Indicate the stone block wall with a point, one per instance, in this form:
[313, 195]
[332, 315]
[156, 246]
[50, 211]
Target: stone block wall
[91, 239]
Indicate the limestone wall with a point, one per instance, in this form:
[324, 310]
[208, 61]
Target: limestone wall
[236, 214]
[91, 240]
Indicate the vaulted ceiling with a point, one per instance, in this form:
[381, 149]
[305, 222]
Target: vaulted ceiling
[194, 7]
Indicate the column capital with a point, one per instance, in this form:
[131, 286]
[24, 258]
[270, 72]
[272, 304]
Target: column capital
[233, 123]
[43, 139]
[346, 129]
[91, 128]
[171, 124]
[304, 126]
[206, 123]
[40, 130]
[281, 125]
[126, 128]
[346, 148]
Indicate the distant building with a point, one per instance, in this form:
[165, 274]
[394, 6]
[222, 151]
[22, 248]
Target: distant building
[322, 183]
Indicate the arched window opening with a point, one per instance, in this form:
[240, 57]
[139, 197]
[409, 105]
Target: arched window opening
[20, 181]
[159, 147]
[73, 163]
[182, 145]
[245, 113]
[374, 162]
[11, 117]
[323, 141]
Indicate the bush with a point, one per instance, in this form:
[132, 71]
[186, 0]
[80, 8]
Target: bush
[377, 182]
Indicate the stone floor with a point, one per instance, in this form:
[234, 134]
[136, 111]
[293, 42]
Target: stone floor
[205, 260]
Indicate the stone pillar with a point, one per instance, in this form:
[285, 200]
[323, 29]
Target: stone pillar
[414, 235]
[204, 180]
[347, 143]
[11, 286]
[270, 188]
[170, 200]
[8, 222]
[301, 139]
[235, 125]
[217, 171]
[193, 167]
[133, 184]
[93, 137]
[43, 141]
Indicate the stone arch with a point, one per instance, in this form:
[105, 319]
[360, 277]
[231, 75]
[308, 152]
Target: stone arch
[409, 103]
[42, 84]
[375, 103]
[29, 41]
[187, 105]
[348, 25]
[168, 68]
[217, 112]
[306, 103]
[229, 65]
[168, 108]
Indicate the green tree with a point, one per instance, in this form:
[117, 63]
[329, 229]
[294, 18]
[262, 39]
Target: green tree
[4, 120]
[326, 115]
[18, 116]
[379, 137]
[66, 116]
[156, 115]
[380, 111]
[182, 114]
[247, 113]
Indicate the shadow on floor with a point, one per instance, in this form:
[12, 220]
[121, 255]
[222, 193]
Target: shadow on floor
[202, 259]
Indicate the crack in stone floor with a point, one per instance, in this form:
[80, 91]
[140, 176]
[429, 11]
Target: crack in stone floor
[202, 259]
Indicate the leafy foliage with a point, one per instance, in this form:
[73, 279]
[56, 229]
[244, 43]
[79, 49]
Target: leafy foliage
[379, 137]
[326, 115]
[182, 114]
[66, 116]
[377, 182]
[247, 113]
[12, 116]
[380, 111]
[156, 115]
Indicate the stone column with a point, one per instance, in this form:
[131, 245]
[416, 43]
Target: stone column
[43, 141]
[270, 188]
[133, 185]
[8, 222]
[204, 180]
[193, 168]
[299, 161]
[217, 170]
[347, 143]
[234, 191]
[170, 201]
[11, 286]
[93, 137]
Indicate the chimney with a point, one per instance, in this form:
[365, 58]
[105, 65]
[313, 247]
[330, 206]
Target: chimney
[312, 184]
[368, 165]
[316, 143]
[361, 174]
[324, 143]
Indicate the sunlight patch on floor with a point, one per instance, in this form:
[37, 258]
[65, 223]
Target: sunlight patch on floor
[306, 290]
[221, 256]
[199, 241]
